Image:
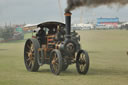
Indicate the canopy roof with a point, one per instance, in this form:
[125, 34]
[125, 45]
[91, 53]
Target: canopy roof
[51, 24]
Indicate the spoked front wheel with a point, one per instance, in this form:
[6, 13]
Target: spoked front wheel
[82, 62]
[56, 62]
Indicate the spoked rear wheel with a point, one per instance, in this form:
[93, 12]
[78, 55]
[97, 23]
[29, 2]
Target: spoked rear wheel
[30, 55]
[56, 62]
[64, 68]
[65, 65]
[40, 58]
[82, 62]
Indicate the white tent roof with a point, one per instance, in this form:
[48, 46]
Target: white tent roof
[30, 25]
[125, 23]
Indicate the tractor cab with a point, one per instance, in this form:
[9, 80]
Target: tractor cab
[49, 33]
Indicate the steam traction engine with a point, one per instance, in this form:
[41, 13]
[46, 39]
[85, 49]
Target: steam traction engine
[56, 45]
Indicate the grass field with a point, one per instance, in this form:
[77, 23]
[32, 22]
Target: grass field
[108, 62]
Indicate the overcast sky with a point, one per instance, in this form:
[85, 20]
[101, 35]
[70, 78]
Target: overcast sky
[36, 11]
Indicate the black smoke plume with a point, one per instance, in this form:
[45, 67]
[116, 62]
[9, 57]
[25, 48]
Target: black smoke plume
[72, 4]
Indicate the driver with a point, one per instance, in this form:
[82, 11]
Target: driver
[42, 36]
[60, 33]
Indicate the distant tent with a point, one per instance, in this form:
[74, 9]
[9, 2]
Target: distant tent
[30, 27]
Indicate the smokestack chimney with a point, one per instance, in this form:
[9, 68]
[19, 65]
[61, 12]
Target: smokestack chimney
[68, 24]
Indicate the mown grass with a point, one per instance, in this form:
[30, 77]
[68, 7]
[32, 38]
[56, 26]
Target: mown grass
[108, 62]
